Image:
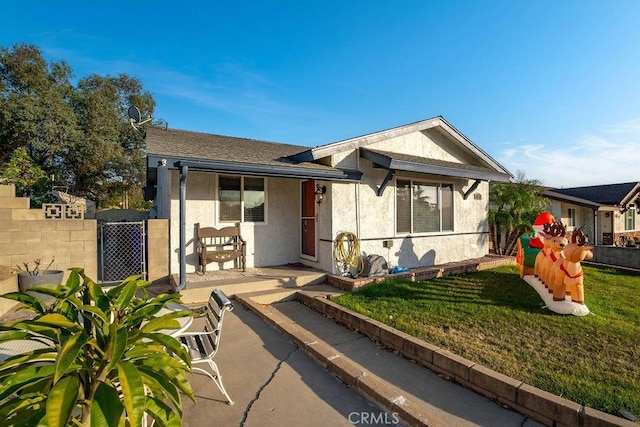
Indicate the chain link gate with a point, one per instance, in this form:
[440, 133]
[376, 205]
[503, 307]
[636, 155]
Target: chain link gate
[122, 250]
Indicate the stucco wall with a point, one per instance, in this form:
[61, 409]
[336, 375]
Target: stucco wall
[373, 221]
[429, 144]
[584, 218]
[274, 242]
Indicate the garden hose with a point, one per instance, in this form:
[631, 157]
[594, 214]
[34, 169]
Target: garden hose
[346, 253]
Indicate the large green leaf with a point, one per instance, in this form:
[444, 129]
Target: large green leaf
[178, 378]
[162, 414]
[117, 290]
[159, 323]
[132, 389]
[161, 386]
[11, 335]
[59, 321]
[158, 359]
[117, 345]
[38, 329]
[96, 311]
[68, 354]
[31, 416]
[107, 408]
[24, 402]
[61, 401]
[125, 296]
[39, 356]
[23, 378]
[32, 302]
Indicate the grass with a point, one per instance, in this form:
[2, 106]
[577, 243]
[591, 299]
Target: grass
[495, 319]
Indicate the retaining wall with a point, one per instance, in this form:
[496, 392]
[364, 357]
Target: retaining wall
[617, 256]
[538, 404]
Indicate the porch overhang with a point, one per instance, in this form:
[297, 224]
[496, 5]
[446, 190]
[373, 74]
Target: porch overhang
[295, 171]
[407, 163]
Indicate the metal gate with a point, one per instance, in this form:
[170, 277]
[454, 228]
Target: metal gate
[121, 250]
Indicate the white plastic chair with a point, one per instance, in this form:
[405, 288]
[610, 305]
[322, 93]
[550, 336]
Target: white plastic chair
[202, 346]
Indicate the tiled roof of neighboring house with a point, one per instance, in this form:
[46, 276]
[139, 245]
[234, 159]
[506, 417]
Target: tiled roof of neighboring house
[554, 195]
[608, 194]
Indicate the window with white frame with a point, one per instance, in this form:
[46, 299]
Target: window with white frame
[571, 217]
[241, 198]
[423, 207]
[630, 219]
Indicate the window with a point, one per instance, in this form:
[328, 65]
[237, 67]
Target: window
[241, 199]
[630, 219]
[571, 221]
[423, 207]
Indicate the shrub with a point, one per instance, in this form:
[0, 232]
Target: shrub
[101, 357]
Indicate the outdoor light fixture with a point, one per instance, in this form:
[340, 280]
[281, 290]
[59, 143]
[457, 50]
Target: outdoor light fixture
[320, 192]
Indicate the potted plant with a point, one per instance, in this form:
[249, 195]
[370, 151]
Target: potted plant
[29, 277]
[100, 357]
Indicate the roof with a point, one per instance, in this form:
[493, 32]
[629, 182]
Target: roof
[409, 163]
[554, 195]
[226, 154]
[607, 194]
[438, 123]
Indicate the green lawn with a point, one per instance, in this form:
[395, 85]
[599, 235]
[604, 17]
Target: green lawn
[497, 320]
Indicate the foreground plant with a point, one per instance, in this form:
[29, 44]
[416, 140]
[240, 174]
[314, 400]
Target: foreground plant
[98, 359]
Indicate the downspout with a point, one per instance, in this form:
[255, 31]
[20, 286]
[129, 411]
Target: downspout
[184, 170]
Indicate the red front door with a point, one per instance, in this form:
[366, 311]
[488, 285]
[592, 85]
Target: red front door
[308, 218]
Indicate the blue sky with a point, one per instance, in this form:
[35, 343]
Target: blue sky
[550, 88]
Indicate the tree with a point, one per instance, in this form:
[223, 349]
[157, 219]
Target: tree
[80, 134]
[29, 179]
[513, 207]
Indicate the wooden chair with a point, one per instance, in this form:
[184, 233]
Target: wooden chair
[203, 346]
[221, 245]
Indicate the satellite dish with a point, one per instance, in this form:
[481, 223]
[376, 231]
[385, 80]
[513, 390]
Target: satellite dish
[134, 114]
[135, 118]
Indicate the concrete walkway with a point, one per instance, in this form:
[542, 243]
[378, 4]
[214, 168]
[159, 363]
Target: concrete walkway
[275, 383]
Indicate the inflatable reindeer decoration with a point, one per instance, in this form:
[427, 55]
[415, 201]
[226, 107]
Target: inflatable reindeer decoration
[556, 237]
[569, 278]
[552, 267]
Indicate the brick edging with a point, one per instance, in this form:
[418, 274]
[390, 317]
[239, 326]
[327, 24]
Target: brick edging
[538, 404]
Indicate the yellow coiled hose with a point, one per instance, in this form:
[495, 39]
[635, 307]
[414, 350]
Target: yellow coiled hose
[346, 253]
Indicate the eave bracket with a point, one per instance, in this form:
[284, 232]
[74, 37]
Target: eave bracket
[471, 189]
[387, 179]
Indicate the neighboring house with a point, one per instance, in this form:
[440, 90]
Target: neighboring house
[606, 212]
[416, 194]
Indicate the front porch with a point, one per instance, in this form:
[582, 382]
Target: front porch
[287, 278]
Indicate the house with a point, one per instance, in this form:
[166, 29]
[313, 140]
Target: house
[606, 212]
[416, 194]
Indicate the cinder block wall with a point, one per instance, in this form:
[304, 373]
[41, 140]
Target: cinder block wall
[25, 235]
[613, 255]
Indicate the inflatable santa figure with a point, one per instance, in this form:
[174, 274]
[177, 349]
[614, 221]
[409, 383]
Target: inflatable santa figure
[537, 239]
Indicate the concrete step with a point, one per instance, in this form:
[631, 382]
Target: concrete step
[286, 281]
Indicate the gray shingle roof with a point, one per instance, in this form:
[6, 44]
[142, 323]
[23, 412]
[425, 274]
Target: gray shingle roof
[182, 144]
[607, 194]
